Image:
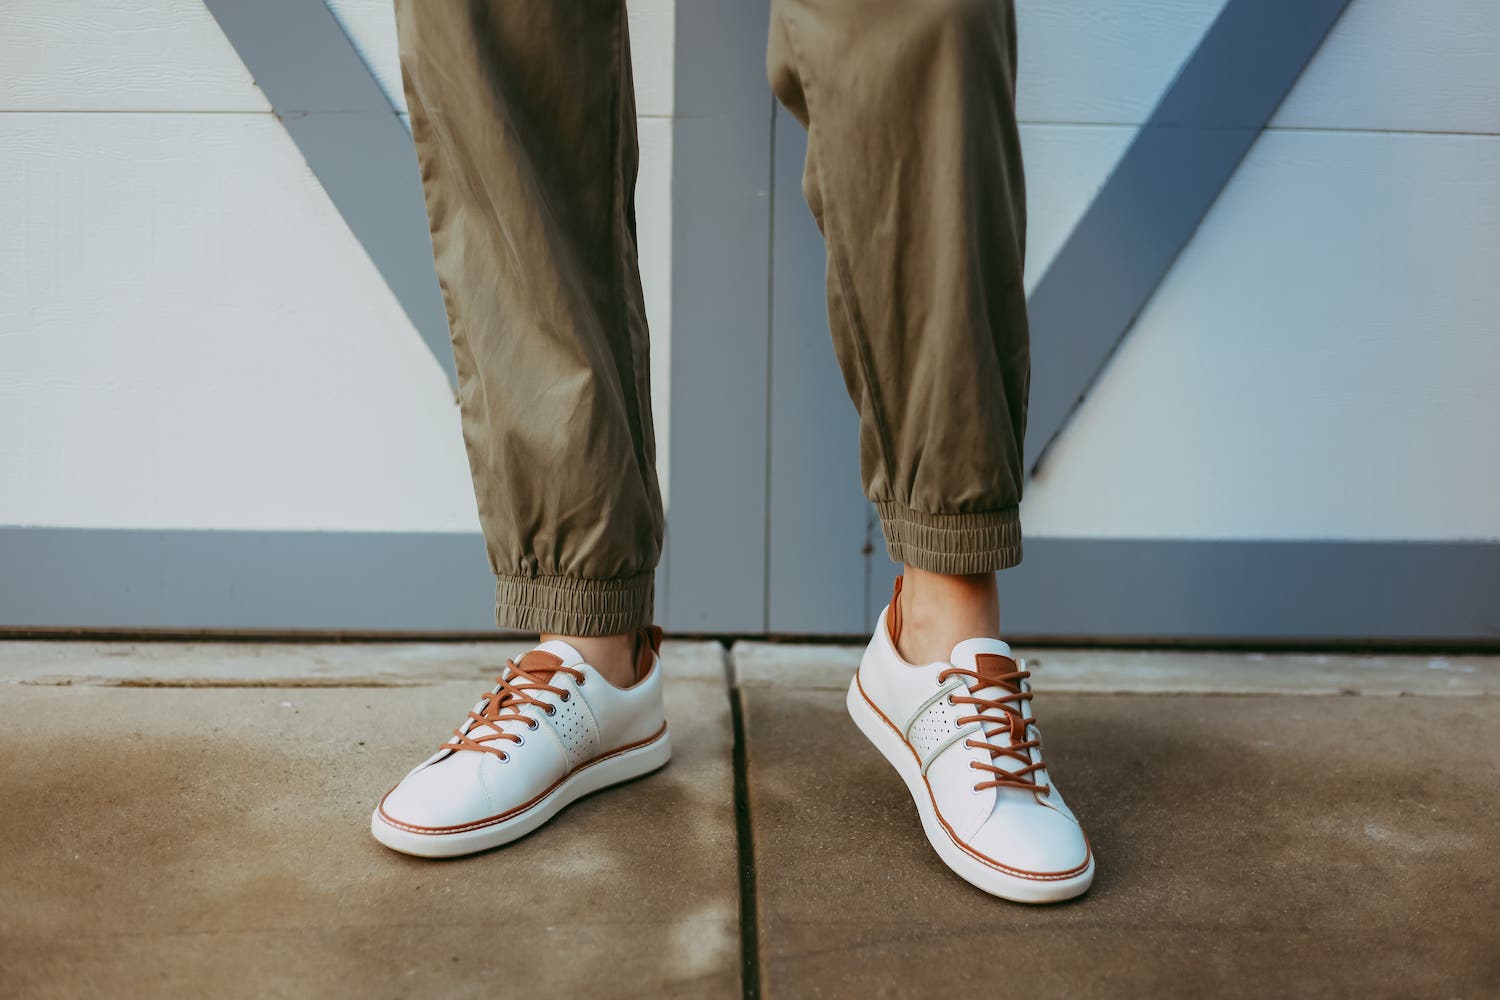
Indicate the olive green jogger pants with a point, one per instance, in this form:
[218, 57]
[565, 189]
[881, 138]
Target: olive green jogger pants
[523, 113]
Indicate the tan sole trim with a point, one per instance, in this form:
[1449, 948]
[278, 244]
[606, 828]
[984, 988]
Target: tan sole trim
[976, 855]
[512, 813]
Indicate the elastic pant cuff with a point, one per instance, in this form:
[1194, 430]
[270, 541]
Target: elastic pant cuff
[566, 605]
[955, 544]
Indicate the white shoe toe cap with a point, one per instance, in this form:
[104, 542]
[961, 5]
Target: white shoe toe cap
[448, 793]
[1030, 837]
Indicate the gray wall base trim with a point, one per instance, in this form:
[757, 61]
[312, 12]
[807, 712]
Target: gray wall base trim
[276, 580]
[1271, 591]
[1317, 591]
[336, 113]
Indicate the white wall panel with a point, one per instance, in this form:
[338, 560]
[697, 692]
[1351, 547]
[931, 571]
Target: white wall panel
[130, 55]
[1400, 65]
[1321, 362]
[192, 338]
[372, 25]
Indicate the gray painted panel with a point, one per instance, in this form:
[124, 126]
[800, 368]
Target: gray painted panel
[1066, 589]
[1256, 591]
[319, 580]
[1284, 590]
[720, 243]
[659, 602]
[721, 178]
[817, 526]
[351, 137]
[1162, 188]
[719, 59]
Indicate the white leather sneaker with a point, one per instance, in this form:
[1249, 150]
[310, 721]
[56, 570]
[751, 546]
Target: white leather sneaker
[961, 736]
[551, 731]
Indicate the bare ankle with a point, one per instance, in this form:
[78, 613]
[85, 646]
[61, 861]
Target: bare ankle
[612, 655]
[938, 611]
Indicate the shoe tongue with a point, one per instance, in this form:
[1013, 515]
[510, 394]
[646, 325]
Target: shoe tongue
[549, 656]
[540, 663]
[989, 658]
[977, 655]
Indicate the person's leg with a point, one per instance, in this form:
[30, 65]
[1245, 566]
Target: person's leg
[914, 175]
[523, 116]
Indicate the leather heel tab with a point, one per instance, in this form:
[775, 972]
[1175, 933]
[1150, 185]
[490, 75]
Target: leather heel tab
[893, 616]
[647, 645]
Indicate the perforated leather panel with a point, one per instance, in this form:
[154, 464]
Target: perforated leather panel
[933, 727]
[576, 730]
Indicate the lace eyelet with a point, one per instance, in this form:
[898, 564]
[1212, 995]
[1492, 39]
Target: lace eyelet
[532, 724]
[582, 679]
[521, 742]
[566, 695]
[504, 757]
[551, 709]
[952, 702]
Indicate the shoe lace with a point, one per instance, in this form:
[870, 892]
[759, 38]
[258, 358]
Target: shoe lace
[516, 687]
[1002, 713]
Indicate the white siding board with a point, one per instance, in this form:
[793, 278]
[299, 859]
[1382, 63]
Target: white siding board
[192, 338]
[131, 55]
[372, 25]
[1321, 362]
[653, 43]
[1399, 65]
[1387, 65]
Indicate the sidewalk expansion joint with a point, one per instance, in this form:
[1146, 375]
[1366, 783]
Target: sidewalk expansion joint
[744, 838]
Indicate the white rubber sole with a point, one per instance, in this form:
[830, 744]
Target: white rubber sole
[598, 774]
[1016, 888]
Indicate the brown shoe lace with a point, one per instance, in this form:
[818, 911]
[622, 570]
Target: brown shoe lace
[513, 693]
[991, 671]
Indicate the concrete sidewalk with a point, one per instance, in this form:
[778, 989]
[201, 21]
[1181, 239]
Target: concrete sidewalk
[190, 819]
